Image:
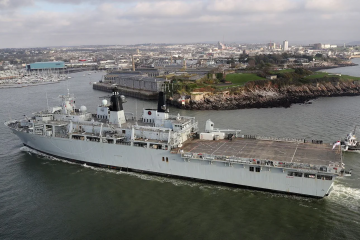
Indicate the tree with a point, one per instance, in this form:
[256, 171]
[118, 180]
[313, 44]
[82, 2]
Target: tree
[251, 62]
[302, 71]
[219, 76]
[285, 55]
[243, 57]
[262, 64]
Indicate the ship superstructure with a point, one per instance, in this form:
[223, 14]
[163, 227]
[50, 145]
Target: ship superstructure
[160, 143]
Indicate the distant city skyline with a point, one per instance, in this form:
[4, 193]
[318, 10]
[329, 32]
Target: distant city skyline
[42, 23]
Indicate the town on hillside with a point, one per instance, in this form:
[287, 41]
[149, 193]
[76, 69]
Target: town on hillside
[185, 72]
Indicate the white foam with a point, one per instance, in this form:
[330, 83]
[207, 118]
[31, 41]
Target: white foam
[346, 196]
[348, 192]
[32, 151]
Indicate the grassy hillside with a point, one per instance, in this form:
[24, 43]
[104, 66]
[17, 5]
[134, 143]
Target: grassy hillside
[323, 74]
[242, 78]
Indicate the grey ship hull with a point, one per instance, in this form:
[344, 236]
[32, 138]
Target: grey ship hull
[154, 161]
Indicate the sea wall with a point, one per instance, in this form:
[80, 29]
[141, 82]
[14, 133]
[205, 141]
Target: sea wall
[272, 95]
[129, 92]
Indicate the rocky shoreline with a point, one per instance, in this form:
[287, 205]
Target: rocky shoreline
[314, 69]
[271, 95]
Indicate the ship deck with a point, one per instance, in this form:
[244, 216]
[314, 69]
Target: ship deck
[308, 153]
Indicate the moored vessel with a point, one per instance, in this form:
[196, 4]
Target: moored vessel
[350, 143]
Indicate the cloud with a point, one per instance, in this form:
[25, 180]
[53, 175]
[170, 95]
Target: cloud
[165, 9]
[12, 4]
[95, 2]
[251, 6]
[79, 22]
[332, 5]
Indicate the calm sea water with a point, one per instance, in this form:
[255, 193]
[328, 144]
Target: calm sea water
[42, 198]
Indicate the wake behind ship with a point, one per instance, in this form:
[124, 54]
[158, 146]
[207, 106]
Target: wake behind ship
[160, 143]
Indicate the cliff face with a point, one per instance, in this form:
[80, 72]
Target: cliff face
[273, 96]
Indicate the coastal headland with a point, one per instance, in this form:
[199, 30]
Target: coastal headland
[272, 96]
[286, 89]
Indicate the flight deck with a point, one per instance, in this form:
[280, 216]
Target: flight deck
[294, 152]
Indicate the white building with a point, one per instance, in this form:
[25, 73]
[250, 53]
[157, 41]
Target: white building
[221, 46]
[327, 46]
[286, 45]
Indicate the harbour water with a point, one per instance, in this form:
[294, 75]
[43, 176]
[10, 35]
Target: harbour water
[42, 198]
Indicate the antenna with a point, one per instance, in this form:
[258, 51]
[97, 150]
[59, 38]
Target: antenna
[136, 110]
[67, 86]
[9, 115]
[47, 101]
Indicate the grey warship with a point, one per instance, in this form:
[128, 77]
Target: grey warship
[170, 145]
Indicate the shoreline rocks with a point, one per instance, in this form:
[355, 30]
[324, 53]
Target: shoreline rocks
[272, 96]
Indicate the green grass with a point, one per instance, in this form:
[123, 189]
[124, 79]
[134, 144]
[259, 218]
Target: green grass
[283, 71]
[242, 78]
[317, 75]
[238, 79]
[347, 77]
[324, 74]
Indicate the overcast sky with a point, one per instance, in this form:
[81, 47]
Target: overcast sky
[40, 23]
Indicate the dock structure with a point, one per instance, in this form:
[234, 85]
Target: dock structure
[136, 84]
[137, 93]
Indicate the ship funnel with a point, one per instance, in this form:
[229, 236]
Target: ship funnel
[117, 115]
[161, 102]
[116, 101]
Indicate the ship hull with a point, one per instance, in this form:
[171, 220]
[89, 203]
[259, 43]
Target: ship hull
[163, 162]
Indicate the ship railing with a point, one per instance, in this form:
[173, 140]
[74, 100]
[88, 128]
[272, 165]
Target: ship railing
[150, 140]
[60, 135]
[96, 124]
[273, 138]
[75, 122]
[151, 129]
[119, 142]
[181, 117]
[73, 113]
[90, 124]
[260, 162]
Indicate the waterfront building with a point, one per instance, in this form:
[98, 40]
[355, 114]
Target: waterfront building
[134, 80]
[150, 72]
[45, 66]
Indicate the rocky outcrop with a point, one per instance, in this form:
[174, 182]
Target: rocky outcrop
[272, 95]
